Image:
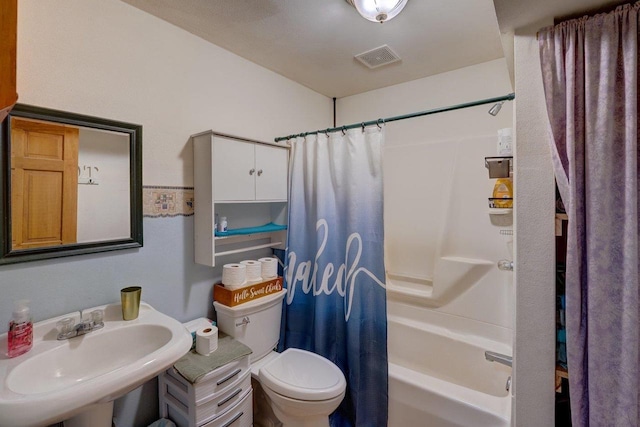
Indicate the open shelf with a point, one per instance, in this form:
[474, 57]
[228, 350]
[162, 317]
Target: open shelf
[240, 243]
[560, 217]
[250, 238]
[249, 248]
[245, 231]
[245, 234]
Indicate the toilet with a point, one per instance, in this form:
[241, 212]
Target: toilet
[300, 388]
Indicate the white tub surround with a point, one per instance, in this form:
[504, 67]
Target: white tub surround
[438, 377]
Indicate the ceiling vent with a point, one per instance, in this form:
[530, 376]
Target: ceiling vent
[378, 57]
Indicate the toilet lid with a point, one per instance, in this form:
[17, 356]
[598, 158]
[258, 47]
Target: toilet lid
[303, 375]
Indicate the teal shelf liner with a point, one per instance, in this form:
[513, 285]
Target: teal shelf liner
[267, 228]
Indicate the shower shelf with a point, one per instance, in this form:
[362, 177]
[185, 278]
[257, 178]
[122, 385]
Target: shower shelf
[560, 218]
[500, 211]
[498, 166]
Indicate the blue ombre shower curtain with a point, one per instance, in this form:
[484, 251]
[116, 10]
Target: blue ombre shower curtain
[334, 269]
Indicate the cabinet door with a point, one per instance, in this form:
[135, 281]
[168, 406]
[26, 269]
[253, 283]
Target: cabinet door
[8, 38]
[271, 172]
[233, 170]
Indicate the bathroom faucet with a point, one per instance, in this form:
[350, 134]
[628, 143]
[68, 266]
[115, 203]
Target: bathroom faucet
[497, 357]
[67, 328]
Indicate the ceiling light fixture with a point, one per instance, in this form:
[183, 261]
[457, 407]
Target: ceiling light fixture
[378, 10]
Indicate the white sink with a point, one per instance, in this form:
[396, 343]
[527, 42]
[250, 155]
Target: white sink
[57, 380]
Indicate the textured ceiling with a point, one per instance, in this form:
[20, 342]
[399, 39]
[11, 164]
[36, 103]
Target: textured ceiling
[313, 42]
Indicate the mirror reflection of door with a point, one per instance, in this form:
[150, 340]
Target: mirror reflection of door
[73, 184]
[44, 183]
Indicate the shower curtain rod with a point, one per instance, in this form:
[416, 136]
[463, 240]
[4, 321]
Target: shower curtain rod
[509, 97]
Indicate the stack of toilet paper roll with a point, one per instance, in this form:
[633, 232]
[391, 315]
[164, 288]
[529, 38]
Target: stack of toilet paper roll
[206, 340]
[249, 272]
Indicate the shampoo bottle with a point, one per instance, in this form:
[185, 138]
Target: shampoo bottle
[20, 335]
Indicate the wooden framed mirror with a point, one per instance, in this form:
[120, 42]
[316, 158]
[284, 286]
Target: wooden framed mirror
[71, 185]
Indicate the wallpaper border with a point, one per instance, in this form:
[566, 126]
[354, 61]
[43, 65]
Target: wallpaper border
[160, 201]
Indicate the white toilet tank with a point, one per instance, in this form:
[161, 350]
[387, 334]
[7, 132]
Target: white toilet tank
[255, 324]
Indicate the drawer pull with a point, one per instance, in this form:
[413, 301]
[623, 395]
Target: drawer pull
[234, 419]
[228, 377]
[235, 393]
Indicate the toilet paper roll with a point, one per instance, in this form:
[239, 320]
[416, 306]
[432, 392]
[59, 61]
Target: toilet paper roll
[234, 275]
[269, 267]
[254, 270]
[206, 340]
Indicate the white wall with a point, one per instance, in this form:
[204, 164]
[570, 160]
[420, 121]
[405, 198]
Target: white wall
[107, 59]
[534, 361]
[436, 190]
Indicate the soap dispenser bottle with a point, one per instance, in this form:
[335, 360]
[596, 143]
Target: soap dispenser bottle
[20, 335]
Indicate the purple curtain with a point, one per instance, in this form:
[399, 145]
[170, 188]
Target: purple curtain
[590, 73]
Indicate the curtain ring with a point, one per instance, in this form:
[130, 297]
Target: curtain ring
[362, 127]
[344, 130]
[378, 123]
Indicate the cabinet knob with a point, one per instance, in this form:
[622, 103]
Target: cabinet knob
[252, 171]
[259, 172]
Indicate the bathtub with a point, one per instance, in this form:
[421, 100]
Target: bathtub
[440, 379]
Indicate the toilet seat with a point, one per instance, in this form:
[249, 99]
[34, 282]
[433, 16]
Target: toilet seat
[302, 375]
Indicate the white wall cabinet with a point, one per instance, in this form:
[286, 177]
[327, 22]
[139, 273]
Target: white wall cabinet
[248, 171]
[244, 181]
[272, 173]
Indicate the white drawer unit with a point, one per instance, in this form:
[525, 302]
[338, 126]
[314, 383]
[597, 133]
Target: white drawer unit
[240, 416]
[215, 400]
